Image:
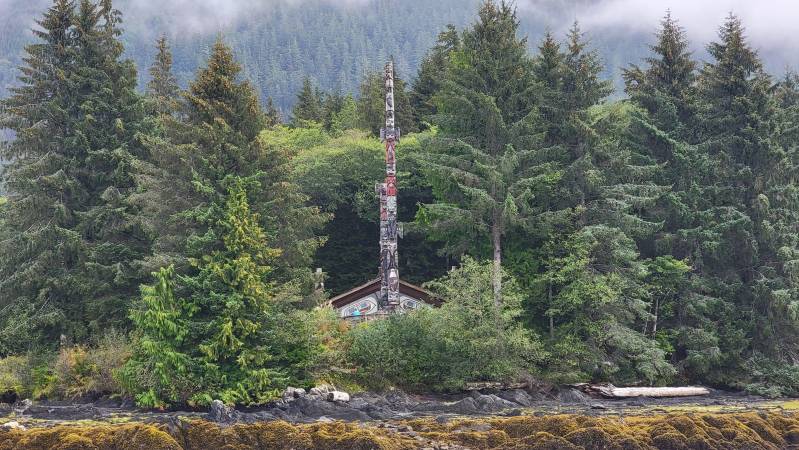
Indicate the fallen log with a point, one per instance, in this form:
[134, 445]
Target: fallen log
[611, 391]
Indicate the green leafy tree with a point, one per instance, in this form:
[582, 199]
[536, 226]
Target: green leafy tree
[468, 339]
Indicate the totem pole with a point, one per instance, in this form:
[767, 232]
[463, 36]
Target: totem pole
[389, 270]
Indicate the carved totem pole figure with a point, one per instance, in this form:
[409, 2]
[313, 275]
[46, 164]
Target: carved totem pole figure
[389, 263]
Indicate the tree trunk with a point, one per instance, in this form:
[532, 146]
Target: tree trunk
[657, 311]
[496, 278]
[551, 316]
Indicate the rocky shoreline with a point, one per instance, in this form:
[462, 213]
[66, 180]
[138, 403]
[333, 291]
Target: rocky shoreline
[325, 403]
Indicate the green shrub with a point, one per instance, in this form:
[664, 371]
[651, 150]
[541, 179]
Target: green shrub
[771, 378]
[467, 339]
[15, 377]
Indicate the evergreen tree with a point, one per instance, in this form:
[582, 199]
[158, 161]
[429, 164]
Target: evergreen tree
[213, 343]
[163, 88]
[548, 67]
[483, 165]
[271, 114]
[372, 104]
[309, 104]
[112, 119]
[331, 107]
[39, 271]
[76, 117]
[748, 247]
[231, 290]
[662, 130]
[431, 72]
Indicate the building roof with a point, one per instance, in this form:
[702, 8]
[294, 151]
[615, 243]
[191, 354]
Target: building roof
[373, 286]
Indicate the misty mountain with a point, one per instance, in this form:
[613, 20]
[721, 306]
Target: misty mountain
[335, 42]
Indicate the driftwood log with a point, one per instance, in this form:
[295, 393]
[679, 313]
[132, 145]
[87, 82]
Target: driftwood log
[611, 391]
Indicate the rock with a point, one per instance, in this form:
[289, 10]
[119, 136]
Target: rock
[404, 428]
[324, 419]
[21, 406]
[221, 413]
[573, 396]
[13, 425]
[442, 419]
[598, 406]
[464, 406]
[321, 390]
[491, 403]
[292, 393]
[518, 396]
[338, 396]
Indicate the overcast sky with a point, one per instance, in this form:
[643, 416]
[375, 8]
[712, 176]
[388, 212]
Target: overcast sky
[769, 23]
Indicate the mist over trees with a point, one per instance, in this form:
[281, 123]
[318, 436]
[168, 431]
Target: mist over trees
[575, 237]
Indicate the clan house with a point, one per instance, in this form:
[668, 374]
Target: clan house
[387, 293]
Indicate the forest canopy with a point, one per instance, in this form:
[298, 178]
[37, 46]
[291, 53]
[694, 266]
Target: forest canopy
[643, 239]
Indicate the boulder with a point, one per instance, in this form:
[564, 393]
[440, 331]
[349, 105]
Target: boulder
[338, 396]
[221, 413]
[21, 406]
[573, 396]
[321, 390]
[292, 393]
[518, 396]
[491, 403]
[13, 425]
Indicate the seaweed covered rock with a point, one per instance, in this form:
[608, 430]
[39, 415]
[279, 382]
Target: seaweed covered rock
[732, 431]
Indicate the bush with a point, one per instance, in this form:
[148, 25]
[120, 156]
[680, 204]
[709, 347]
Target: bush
[81, 372]
[771, 378]
[467, 339]
[16, 379]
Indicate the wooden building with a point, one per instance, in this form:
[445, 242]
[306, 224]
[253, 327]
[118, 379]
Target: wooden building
[362, 301]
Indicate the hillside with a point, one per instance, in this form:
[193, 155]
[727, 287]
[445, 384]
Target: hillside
[334, 43]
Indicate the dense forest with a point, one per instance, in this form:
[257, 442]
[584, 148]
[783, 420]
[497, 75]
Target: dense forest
[334, 43]
[161, 244]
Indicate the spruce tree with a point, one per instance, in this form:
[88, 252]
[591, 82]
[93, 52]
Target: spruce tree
[42, 249]
[76, 116]
[746, 245]
[309, 104]
[484, 165]
[662, 129]
[163, 88]
[372, 104]
[548, 67]
[431, 72]
[271, 114]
